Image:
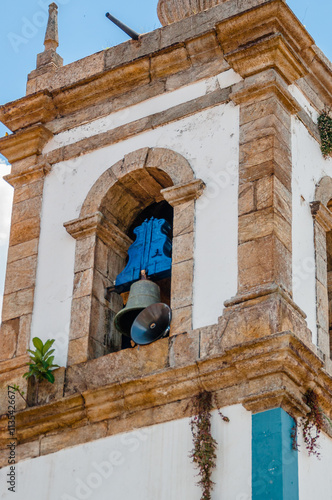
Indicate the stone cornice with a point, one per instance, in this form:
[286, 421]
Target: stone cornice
[28, 175]
[262, 291]
[27, 142]
[36, 108]
[253, 25]
[248, 93]
[273, 371]
[97, 224]
[270, 52]
[14, 364]
[175, 195]
[159, 54]
[321, 215]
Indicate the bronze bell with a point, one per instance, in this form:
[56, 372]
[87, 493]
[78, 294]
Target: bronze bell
[143, 293]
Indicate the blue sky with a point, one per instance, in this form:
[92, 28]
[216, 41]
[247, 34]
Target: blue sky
[84, 30]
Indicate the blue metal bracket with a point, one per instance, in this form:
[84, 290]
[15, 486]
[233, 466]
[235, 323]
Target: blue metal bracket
[151, 251]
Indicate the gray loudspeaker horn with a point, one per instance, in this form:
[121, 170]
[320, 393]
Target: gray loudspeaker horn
[151, 324]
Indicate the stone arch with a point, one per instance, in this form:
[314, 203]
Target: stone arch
[324, 190]
[321, 212]
[174, 166]
[141, 178]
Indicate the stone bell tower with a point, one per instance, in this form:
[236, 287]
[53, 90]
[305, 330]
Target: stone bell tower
[209, 124]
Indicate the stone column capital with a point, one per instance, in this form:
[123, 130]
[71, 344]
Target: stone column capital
[182, 193]
[97, 224]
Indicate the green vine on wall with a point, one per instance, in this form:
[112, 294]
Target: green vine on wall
[325, 130]
[204, 454]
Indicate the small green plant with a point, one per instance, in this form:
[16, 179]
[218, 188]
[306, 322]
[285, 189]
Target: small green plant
[41, 362]
[325, 130]
[203, 454]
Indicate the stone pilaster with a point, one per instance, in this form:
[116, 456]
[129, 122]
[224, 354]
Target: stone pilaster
[101, 249]
[182, 198]
[23, 149]
[265, 203]
[258, 47]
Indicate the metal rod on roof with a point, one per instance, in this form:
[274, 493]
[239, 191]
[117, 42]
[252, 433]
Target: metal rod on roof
[122, 26]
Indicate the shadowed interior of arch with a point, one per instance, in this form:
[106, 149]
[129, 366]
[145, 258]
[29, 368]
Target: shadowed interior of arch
[133, 198]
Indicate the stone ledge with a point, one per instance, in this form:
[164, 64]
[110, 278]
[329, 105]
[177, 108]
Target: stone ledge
[27, 142]
[151, 122]
[270, 372]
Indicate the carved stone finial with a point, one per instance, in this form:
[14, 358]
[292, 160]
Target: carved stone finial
[170, 11]
[49, 60]
[52, 36]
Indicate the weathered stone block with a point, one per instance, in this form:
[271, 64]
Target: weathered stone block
[176, 166]
[265, 108]
[28, 191]
[183, 247]
[21, 274]
[246, 198]
[101, 256]
[24, 231]
[184, 218]
[18, 303]
[24, 334]
[78, 350]
[181, 320]
[321, 270]
[210, 339]
[262, 261]
[22, 250]
[100, 283]
[124, 365]
[322, 306]
[85, 253]
[9, 332]
[271, 167]
[266, 126]
[27, 209]
[182, 284]
[99, 323]
[169, 62]
[50, 392]
[271, 192]
[80, 317]
[262, 223]
[184, 349]
[262, 150]
[83, 283]
[204, 49]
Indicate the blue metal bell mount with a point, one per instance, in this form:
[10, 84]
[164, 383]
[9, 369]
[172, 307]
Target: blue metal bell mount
[151, 251]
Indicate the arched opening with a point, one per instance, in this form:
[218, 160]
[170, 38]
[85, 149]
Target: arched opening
[148, 182]
[131, 200]
[157, 210]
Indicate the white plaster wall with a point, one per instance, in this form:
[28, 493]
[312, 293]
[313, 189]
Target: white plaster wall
[148, 464]
[209, 141]
[315, 478]
[146, 108]
[309, 167]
